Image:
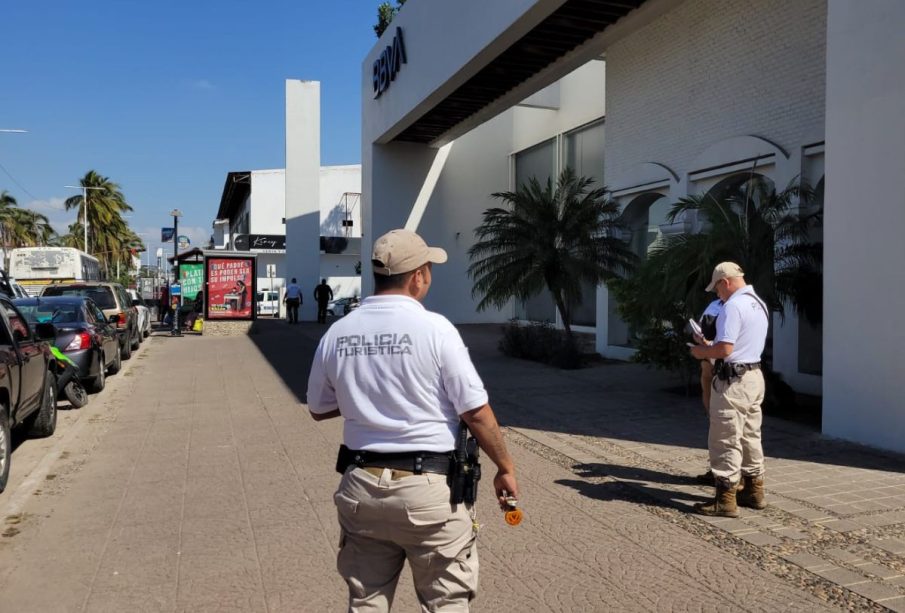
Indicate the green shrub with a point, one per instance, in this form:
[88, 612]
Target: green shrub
[541, 342]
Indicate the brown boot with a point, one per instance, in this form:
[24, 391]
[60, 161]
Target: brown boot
[723, 504]
[753, 494]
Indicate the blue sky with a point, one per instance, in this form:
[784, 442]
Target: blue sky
[167, 97]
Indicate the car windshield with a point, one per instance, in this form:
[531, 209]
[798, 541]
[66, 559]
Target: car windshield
[102, 296]
[51, 313]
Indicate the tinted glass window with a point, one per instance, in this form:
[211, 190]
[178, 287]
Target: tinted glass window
[51, 313]
[102, 296]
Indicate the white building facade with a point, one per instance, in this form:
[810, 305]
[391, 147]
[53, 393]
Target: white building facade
[251, 218]
[671, 98]
[305, 220]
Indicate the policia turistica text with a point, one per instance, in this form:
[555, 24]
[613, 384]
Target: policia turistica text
[401, 379]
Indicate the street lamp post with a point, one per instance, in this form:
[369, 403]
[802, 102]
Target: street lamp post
[176, 213]
[84, 189]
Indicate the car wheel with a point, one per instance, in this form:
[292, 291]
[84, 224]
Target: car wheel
[98, 383]
[126, 352]
[117, 361]
[75, 393]
[6, 447]
[43, 422]
[136, 340]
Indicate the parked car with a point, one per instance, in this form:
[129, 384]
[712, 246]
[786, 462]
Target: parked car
[268, 302]
[83, 334]
[27, 385]
[144, 312]
[114, 302]
[342, 306]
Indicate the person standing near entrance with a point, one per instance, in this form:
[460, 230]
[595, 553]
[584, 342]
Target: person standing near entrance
[293, 300]
[401, 378]
[737, 393]
[707, 324]
[323, 293]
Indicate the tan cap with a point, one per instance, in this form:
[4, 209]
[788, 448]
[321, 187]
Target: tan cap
[401, 251]
[724, 270]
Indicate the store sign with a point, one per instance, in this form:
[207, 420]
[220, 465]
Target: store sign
[388, 63]
[267, 243]
[191, 277]
[183, 242]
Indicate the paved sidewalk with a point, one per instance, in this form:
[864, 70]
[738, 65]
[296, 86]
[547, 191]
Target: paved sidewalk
[203, 485]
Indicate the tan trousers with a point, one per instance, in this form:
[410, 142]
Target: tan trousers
[735, 423]
[386, 521]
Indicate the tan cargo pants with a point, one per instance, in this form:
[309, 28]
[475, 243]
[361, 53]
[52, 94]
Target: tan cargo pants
[386, 521]
[735, 423]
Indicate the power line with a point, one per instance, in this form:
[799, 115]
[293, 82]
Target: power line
[13, 179]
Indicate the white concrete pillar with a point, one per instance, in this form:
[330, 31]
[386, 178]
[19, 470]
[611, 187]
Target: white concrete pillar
[864, 218]
[303, 161]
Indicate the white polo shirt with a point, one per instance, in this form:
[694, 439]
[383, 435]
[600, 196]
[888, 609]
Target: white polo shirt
[399, 374]
[293, 291]
[743, 322]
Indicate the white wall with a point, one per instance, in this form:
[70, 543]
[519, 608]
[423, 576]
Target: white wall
[478, 164]
[334, 182]
[709, 70]
[268, 201]
[303, 184]
[691, 89]
[864, 220]
[339, 271]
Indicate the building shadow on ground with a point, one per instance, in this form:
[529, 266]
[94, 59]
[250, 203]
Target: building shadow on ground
[617, 401]
[289, 349]
[629, 402]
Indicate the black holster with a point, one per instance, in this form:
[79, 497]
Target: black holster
[465, 471]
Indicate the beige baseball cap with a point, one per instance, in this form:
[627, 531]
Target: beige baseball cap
[724, 270]
[401, 251]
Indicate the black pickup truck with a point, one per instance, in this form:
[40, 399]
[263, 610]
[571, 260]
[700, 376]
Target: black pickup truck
[27, 383]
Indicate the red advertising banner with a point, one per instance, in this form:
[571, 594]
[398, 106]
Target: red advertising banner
[229, 287]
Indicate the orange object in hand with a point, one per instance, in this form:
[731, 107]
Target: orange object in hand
[513, 515]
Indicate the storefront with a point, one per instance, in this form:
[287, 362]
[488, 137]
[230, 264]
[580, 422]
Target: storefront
[657, 99]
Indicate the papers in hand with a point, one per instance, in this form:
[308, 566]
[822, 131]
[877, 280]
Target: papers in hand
[695, 328]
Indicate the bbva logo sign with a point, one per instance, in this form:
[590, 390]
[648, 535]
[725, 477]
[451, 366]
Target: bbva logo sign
[387, 65]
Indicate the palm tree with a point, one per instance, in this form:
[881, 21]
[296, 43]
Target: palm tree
[109, 237]
[548, 237]
[21, 227]
[754, 226]
[31, 228]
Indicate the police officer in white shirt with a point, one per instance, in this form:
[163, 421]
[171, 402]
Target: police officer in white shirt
[738, 392]
[401, 378]
[293, 299]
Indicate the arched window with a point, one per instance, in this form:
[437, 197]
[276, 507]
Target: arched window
[644, 217]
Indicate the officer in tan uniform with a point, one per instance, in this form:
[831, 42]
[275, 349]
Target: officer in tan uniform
[401, 379]
[737, 393]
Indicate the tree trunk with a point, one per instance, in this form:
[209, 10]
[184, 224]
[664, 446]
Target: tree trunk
[564, 314]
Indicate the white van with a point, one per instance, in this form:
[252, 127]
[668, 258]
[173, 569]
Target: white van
[268, 302]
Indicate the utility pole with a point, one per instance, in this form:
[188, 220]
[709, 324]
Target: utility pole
[85, 189]
[176, 213]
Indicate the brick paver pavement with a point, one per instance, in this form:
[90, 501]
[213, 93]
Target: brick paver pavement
[201, 484]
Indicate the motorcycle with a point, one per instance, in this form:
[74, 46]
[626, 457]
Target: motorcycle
[69, 383]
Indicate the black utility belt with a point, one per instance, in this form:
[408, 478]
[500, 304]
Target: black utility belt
[416, 461]
[727, 371]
